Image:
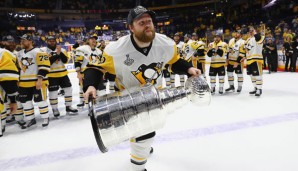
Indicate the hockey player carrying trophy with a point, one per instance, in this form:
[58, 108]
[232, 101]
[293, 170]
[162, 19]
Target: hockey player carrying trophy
[137, 111]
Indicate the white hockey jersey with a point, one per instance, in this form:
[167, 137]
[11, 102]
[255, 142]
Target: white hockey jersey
[191, 47]
[187, 50]
[135, 66]
[33, 63]
[180, 48]
[234, 50]
[253, 50]
[85, 55]
[57, 68]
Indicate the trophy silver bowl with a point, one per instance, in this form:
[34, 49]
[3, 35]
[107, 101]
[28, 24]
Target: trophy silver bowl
[137, 111]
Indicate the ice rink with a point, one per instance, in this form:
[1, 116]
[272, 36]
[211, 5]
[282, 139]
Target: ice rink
[237, 132]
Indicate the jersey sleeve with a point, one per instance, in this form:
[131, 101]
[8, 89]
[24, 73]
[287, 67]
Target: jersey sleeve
[96, 70]
[107, 63]
[175, 56]
[64, 56]
[259, 38]
[242, 51]
[79, 58]
[196, 45]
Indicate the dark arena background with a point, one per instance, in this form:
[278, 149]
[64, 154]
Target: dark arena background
[70, 21]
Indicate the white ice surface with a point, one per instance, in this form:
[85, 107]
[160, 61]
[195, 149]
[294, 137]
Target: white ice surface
[237, 132]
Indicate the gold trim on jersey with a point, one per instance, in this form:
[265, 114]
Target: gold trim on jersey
[175, 57]
[262, 39]
[31, 83]
[108, 65]
[58, 72]
[137, 158]
[220, 61]
[8, 69]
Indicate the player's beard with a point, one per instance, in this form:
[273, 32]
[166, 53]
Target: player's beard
[52, 47]
[11, 47]
[143, 37]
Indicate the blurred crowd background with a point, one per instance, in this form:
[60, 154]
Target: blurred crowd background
[70, 21]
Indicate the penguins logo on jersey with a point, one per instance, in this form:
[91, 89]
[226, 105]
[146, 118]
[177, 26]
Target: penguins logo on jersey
[249, 46]
[233, 49]
[25, 63]
[95, 59]
[148, 74]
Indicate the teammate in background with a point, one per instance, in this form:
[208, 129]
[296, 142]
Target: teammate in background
[35, 65]
[235, 62]
[83, 55]
[185, 51]
[137, 59]
[179, 45]
[199, 56]
[254, 59]
[187, 48]
[186, 38]
[167, 72]
[107, 76]
[9, 77]
[217, 52]
[58, 76]
[75, 46]
[195, 52]
[10, 45]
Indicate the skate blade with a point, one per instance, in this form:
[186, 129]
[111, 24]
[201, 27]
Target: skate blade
[72, 113]
[45, 127]
[31, 127]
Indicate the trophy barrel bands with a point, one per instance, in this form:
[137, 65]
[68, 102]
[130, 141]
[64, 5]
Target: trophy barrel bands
[138, 111]
[130, 113]
[173, 98]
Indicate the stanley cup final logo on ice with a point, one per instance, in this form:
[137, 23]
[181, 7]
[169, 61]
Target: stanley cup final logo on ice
[117, 117]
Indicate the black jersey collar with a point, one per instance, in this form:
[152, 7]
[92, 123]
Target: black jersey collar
[145, 51]
[28, 50]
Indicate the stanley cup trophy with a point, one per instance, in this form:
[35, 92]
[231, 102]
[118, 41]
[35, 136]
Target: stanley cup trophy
[119, 116]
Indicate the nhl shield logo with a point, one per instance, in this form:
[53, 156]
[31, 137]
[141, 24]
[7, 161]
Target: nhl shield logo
[128, 61]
